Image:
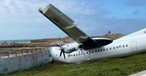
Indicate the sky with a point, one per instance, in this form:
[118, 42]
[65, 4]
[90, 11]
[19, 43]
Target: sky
[20, 19]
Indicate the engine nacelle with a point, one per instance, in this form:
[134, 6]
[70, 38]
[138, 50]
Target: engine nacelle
[71, 47]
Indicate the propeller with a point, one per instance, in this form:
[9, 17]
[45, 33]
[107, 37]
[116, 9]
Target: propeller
[62, 51]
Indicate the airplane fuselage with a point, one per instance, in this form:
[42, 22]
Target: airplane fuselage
[118, 48]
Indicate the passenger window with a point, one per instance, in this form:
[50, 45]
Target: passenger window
[144, 32]
[113, 47]
[98, 50]
[123, 46]
[86, 52]
[68, 55]
[110, 48]
[95, 50]
[74, 55]
[126, 45]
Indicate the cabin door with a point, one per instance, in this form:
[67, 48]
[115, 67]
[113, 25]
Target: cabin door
[133, 46]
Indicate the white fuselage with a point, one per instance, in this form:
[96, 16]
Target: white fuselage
[130, 44]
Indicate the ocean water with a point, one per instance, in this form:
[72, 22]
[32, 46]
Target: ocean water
[15, 41]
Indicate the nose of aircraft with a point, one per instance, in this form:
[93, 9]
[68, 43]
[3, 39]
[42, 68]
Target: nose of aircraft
[54, 52]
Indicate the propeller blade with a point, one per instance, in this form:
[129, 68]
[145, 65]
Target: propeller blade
[64, 55]
[62, 52]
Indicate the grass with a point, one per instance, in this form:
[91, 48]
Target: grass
[107, 67]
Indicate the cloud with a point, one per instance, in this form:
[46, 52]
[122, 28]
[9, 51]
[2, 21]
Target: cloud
[24, 10]
[73, 6]
[76, 7]
[18, 9]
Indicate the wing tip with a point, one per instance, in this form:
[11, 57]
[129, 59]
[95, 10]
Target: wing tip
[43, 9]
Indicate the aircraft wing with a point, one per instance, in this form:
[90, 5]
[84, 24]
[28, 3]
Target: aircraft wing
[68, 26]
